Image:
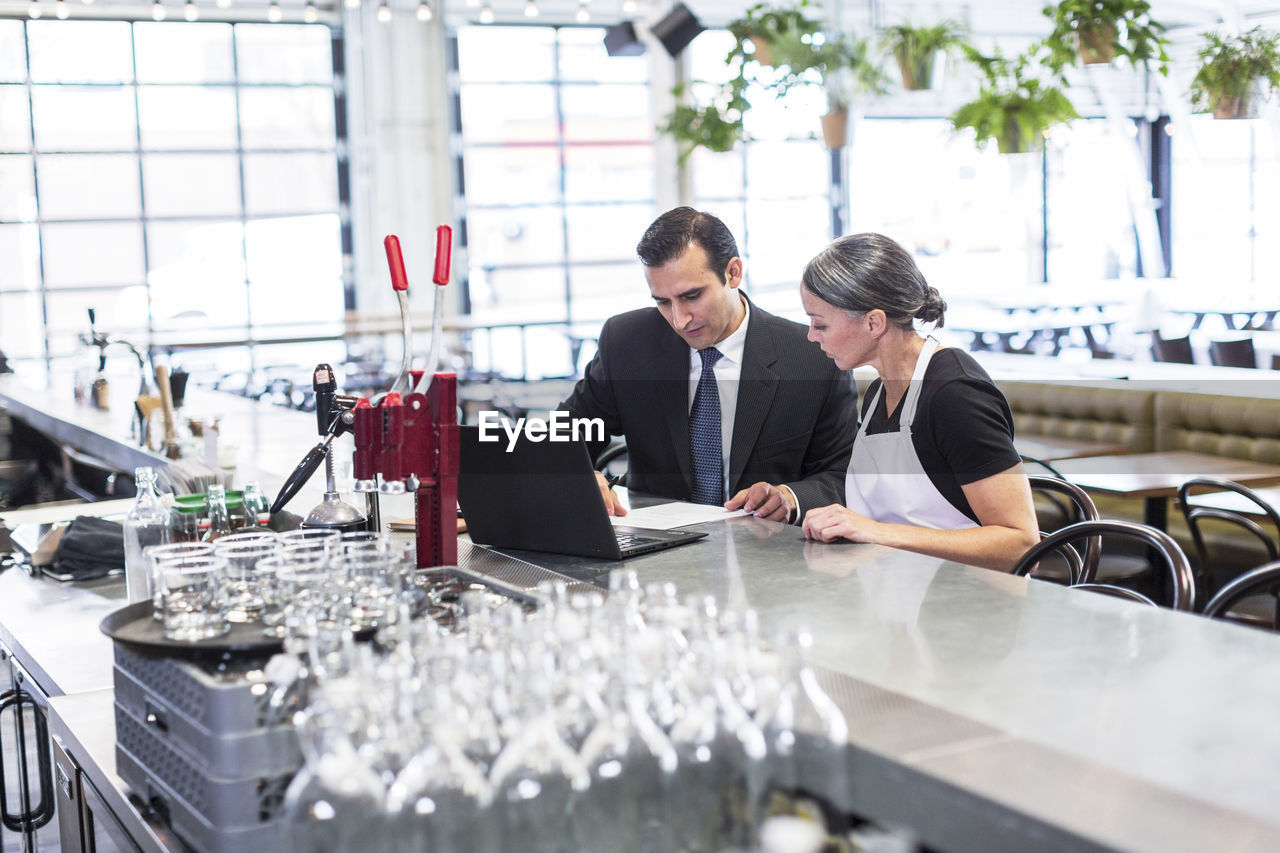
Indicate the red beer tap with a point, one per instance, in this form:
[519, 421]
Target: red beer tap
[393, 434]
[412, 442]
[365, 463]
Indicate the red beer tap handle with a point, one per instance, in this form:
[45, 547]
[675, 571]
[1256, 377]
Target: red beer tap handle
[395, 261]
[365, 462]
[444, 249]
[392, 437]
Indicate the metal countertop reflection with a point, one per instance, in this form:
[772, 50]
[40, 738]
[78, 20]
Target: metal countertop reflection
[1073, 718]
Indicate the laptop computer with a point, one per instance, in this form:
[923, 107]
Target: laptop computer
[542, 496]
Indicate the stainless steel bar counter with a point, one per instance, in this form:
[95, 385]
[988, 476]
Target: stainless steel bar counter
[987, 712]
[994, 712]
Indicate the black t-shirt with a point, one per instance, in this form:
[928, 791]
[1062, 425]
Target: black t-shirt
[963, 428]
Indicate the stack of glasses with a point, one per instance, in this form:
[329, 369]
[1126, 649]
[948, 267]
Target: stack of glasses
[285, 582]
[635, 722]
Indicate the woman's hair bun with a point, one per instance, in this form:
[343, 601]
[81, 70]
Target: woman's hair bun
[933, 308]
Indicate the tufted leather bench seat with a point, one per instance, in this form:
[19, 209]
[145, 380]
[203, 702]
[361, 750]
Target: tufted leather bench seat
[1152, 419]
[1111, 412]
[1223, 425]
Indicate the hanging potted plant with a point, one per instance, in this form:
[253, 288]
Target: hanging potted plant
[716, 126]
[916, 50]
[1097, 31]
[841, 65]
[764, 25]
[1013, 107]
[1231, 70]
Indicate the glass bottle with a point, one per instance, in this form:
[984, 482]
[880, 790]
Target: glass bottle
[807, 732]
[535, 776]
[146, 524]
[219, 523]
[335, 803]
[257, 510]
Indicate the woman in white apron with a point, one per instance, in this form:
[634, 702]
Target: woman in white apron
[933, 468]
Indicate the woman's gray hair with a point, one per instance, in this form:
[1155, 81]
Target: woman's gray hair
[863, 272]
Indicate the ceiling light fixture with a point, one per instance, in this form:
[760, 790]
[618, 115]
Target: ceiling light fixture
[189, 11]
[309, 13]
[274, 14]
[60, 10]
[352, 4]
[424, 11]
[384, 12]
[531, 9]
[583, 15]
[486, 13]
[157, 11]
[33, 9]
[628, 6]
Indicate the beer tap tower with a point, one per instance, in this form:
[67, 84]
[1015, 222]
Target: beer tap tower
[409, 442]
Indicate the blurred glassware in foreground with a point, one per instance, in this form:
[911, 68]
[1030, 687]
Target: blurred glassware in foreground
[634, 722]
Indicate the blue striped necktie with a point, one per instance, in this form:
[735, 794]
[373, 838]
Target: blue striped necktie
[704, 434]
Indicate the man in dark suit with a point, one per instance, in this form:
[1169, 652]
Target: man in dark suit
[717, 398]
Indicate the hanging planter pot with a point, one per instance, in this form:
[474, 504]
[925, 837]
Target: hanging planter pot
[1241, 106]
[1014, 107]
[1092, 32]
[1097, 42]
[1232, 69]
[1014, 141]
[917, 72]
[835, 128]
[764, 50]
[916, 50]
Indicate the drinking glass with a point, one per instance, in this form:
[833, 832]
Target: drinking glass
[155, 553]
[365, 542]
[192, 597]
[305, 592]
[310, 536]
[243, 552]
[373, 587]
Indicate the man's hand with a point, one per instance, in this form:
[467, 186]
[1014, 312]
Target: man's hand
[763, 501]
[611, 502]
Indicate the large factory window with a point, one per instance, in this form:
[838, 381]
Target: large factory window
[775, 190]
[558, 178]
[180, 178]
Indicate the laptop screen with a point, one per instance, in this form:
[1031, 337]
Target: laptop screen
[533, 495]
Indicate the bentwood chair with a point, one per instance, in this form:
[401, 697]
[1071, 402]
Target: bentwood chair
[1174, 350]
[1263, 580]
[1167, 556]
[1206, 525]
[1238, 353]
[1058, 506]
[1072, 504]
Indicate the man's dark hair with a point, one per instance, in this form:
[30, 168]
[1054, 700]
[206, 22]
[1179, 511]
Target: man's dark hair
[676, 230]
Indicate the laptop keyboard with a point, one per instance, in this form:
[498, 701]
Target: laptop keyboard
[630, 540]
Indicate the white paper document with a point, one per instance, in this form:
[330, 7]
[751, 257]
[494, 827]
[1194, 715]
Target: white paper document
[675, 514]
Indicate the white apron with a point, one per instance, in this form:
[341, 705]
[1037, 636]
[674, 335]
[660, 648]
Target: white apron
[886, 481]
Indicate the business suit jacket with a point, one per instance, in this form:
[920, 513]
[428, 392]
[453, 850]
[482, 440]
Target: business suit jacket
[795, 420]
